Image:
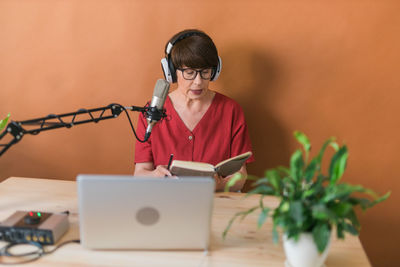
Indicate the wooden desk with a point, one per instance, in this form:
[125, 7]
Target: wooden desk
[244, 246]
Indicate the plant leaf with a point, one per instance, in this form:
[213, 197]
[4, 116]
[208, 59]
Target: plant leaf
[296, 212]
[340, 230]
[338, 165]
[3, 122]
[284, 206]
[366, 203]
[289, 187]
[261, 181]
[263, 216]
[274, 179]
[341, 209]
[233, 180]
[296, 165]
[308, 193]
[335, 146]
[343, 191]
[322, 151]
[352, 216]
[317, 185]
[363, 202]
[243, 214]
[284, 170]
[321, 212]
[262, 189]
[350, 228]
[382, 198]
[252, 177]
[310, 170]
[321, 235]
[247, 212]
[275, 234]
[303, 139]
[261, 203]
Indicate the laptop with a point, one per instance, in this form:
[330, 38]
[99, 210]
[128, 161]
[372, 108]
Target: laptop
[128, 212]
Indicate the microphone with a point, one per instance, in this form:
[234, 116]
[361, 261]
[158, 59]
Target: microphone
[155, 112]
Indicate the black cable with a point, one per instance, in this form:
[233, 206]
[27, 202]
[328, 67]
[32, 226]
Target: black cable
[130, 122]
[78, 241]
[5, 251]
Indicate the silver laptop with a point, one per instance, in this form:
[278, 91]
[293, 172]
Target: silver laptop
[127, 212]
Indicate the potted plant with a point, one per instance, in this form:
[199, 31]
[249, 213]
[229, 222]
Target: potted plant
[311, 203]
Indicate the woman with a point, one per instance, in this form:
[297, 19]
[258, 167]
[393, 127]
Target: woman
[201, 125]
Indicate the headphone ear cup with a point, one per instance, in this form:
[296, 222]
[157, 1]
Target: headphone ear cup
[172, 70]
[218, 70]
[166, 70]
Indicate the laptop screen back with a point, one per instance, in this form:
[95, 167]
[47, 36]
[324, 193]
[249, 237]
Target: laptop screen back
[126, 212]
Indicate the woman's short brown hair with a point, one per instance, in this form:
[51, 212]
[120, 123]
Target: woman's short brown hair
[196, 50]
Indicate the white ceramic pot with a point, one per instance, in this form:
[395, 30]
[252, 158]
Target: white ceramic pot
[304, 252]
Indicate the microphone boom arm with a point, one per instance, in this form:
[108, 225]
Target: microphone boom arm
[66, 120]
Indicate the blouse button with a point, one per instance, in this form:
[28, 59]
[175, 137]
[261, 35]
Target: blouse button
[190, 137]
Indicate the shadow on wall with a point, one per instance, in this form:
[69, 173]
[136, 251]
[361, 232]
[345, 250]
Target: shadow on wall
[254, 79]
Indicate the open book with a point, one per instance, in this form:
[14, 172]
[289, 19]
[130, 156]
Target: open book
[224, 168]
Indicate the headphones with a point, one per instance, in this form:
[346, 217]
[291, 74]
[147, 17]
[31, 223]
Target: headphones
[167, 65]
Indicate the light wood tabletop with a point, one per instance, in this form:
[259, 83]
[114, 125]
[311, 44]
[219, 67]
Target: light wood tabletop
[245, 245]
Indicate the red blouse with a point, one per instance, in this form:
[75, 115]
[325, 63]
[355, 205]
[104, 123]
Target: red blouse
[220, 134]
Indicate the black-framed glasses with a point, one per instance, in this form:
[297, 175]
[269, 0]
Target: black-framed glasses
[191, 74]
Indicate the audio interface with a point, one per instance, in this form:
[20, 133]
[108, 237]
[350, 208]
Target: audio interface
[42, 227]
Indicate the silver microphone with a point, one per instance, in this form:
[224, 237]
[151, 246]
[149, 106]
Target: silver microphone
[155, 111]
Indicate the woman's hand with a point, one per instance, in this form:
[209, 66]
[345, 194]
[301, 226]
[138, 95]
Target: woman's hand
[220, 181]
[147, 169]
[161, 171]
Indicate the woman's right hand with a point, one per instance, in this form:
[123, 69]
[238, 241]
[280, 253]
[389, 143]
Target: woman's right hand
[147, 169]
[161, 171]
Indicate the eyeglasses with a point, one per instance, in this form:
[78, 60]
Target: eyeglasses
[191, 74]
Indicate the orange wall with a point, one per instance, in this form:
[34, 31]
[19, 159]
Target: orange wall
[323, 67]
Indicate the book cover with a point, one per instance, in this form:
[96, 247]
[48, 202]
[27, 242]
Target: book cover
[224, 168]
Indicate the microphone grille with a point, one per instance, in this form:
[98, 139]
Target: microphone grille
[161, 89]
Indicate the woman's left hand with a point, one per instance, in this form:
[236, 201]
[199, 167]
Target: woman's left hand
[220, 181]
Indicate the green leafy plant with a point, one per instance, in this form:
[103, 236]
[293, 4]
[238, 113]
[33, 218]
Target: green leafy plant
[310, 201]
[3, 122]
